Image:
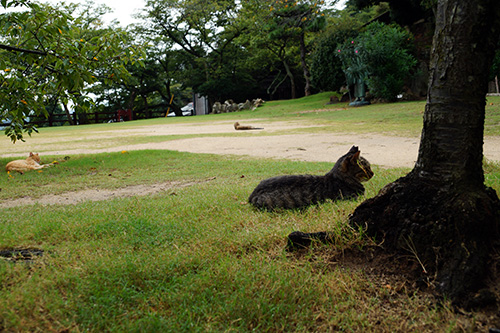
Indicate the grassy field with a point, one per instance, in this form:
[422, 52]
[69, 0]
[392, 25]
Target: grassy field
[198, 258]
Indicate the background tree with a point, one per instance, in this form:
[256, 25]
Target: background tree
[331, 69]
[205, 31]
[267, 62]
[415, 16]
[278, 55]
[403, 13]
[273, 40]
[382, 56]
[291, 20]
[47, 53]
[442, 209]
[149, 89]
[495, 69]
[326, 66]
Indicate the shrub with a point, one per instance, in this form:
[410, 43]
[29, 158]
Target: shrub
[381, 56]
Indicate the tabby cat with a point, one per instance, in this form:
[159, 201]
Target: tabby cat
[31, 163]
[296, 191]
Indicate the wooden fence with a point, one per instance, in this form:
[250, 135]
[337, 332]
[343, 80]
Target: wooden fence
[59, 119]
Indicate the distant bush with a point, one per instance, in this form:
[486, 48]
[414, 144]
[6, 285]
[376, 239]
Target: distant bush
[388, 53]
[382, 56]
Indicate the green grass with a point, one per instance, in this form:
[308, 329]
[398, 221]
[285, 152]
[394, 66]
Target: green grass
[198, 258]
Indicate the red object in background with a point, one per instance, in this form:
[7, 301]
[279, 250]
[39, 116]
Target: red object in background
[124, 114]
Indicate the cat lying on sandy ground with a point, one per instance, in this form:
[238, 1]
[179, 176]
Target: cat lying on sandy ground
[31, 163]
[239, 127]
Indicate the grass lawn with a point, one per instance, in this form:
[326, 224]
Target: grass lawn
[198, 258]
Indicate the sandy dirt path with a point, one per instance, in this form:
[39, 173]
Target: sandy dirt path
[272, 142]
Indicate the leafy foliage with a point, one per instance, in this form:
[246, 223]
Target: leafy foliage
[402, 12]
[382, 56]
[48, 53]
[326, 66]
[495, 67]
[292, 20]
[205, 33]
[387, 52]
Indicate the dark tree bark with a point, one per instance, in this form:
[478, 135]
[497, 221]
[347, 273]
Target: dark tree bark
[292, 79]
[305, 69]
[442, 211]
[68, 115]
[130, 104]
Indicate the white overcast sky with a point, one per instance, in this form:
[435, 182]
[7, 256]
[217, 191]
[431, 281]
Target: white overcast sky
[124, 9]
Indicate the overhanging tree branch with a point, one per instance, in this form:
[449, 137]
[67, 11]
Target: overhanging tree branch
[18, 49]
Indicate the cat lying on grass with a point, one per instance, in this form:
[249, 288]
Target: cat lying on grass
[31, 163]
[297, 191]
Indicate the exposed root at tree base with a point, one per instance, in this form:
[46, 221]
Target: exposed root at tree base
[451, 232]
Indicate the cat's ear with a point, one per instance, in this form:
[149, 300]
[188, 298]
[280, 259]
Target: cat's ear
[353, 150]
[31, 154]
[354, 158]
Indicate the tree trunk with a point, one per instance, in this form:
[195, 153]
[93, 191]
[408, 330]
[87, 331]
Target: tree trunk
[70, 120]
[441, 211]
[147, 111]
[292, 79]
[131, 100]
[305, 69]
[177, 110]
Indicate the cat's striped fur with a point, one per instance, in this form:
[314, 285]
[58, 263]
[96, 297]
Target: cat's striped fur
[296, 191]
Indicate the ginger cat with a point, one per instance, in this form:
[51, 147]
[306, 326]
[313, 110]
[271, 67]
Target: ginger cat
[237, 126]
[31, 163]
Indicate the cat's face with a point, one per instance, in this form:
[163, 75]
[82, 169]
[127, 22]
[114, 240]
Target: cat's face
[362, 170]
[356, 167]
[35, 157]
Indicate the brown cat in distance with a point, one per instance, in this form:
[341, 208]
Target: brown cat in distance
[239, 127]
[31, 163]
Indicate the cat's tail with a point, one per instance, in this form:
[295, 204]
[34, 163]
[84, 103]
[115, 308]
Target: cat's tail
[300, 240]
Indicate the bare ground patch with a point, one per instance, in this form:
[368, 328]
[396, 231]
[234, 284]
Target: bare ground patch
[75, 197]
[383, 150]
